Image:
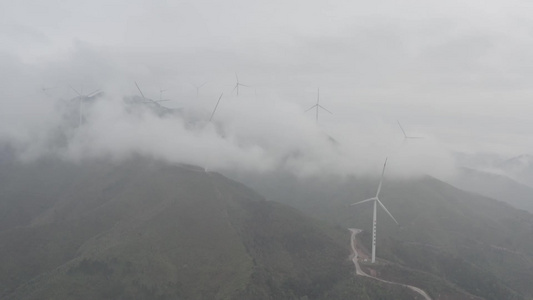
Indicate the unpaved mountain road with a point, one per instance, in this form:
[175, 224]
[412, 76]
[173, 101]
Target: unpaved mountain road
[360, 272]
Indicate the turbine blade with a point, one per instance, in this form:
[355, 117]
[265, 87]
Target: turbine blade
[201, 85]
[162, 100]
[310, 108]
[237, 77]
[414, 137]
[405, 135]
[93, 93]
[244, 85]
[75, 91]
[140, 90]
[324, 108]
[381, 179]
[373, 198]
[214, 110]
[235, 88]
[384, 208]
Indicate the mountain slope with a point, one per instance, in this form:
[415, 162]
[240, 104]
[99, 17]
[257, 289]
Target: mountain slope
[495, 186]
[478, 244]
[519, 167]
[146, 230]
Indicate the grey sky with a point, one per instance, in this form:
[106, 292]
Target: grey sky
[457, 72]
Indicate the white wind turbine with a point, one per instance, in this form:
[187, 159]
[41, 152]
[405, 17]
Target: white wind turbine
[317, 106]
[405, 136]
[238, 84]
[374, 220]
[84, 98]
[198, 87]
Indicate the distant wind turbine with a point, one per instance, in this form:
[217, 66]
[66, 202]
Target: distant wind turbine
[405, 136]
[374, 220]
[215, 109]
[161, 94]
[238, 84]
[149, 100]
[198, 87]
[84, 98]
[317, 106]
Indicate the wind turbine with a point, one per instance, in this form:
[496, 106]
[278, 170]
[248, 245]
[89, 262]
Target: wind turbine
[198, 87]
[149, 100]
[317, 106]
[238, 84]
[214, 110]
[85, 97]
[405, 136]
[376, 202]
[161, 94]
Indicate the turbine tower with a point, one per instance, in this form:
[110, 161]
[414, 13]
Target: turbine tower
[84, 98]
[161, 91]
[238, 84]
[376, 201]
[405, 136]
[215, 109]
[317, 106]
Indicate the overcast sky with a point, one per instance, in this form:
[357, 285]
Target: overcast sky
[457, 72]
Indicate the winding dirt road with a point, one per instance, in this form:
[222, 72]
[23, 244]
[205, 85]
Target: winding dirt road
[360, 272]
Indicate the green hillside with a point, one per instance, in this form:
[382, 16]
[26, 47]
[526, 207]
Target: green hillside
[146, 230]
[477, 244]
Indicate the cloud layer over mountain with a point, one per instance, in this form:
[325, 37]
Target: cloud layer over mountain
[455, 73]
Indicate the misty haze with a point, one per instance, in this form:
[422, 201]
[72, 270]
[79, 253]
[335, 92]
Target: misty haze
[266, 150]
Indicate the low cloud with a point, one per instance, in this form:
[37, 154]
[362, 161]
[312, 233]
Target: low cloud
[247, 133]
[452, 72]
